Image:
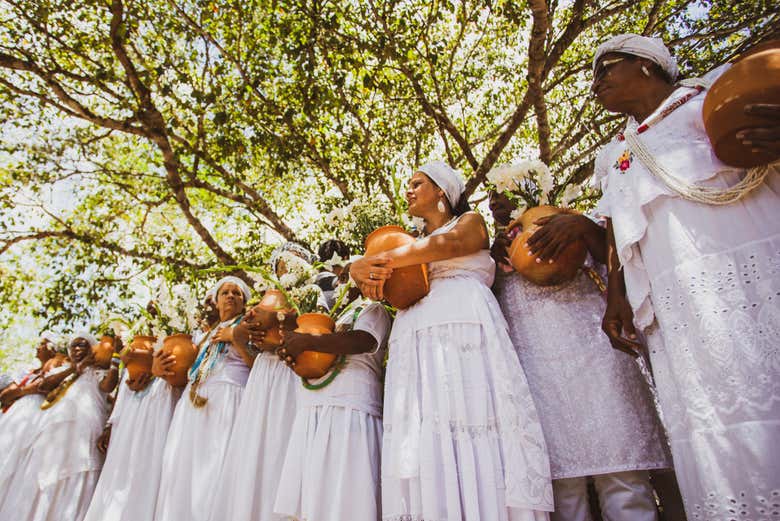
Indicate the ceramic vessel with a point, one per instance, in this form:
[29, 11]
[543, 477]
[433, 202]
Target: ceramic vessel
[104, 350]
[753, 78]
[266, 312]
[180, 345]
[406, 285]
[313, 364]
[544, 274]
[138, 356]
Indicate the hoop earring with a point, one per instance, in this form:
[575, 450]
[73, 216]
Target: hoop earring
[645, 71]
[440, 206]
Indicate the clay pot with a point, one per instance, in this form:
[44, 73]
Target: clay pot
[753, 78]
[104, 350]
[138, 356]
[313, 364]
[544, 274]
[180, 345]
[266, 312]
[406, 285]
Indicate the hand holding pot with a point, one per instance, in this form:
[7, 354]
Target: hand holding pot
[766, 137]
[140, 383]
[162, 364]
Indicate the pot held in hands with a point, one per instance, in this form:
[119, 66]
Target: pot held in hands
[313, 364]
[180, 345]
[406, 285]
[138, 356]
[544, 274]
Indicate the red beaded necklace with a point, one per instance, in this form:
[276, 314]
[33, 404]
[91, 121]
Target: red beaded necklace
[668, 110]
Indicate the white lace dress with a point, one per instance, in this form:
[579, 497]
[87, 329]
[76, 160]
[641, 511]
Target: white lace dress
[705, 283]
[462, 439]
[198, 440]
[597, 410]
[130, 479]
[59, 471]
[331, 472]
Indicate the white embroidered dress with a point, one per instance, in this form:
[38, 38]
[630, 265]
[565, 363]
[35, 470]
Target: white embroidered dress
[462, 439]
[596, 408]
[332, 468]
[704, 283]
[130, 479]
[198, 440]
[59, 471]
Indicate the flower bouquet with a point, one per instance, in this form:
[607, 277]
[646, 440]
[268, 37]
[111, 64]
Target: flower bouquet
[529, 185]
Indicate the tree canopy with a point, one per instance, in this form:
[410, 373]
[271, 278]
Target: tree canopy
[147, 139]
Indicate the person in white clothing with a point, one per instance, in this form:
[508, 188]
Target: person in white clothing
[204, 416]
[462, 439]
[331, 471]
[249, 478]
[693, 263]
[57, 475]
[597, 409]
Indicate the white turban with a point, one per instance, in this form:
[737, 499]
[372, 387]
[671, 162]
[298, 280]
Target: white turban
[51, 337]
[234, 280]
[445, 178]
[643, 46]
[86, 336]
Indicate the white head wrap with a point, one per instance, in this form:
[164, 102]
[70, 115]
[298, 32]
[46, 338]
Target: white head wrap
[86, 336]
[643, 46]
[51, 337]
[235, 280]
[294, 248]
[445, 178]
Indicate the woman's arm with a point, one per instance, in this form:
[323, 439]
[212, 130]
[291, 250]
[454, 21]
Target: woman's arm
[226, 335]
[468, 236]
[343, 343]
[55, 377]
[618, 316]
[558, 231]
[109, 381]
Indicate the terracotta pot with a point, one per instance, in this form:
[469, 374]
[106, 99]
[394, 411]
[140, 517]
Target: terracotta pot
[753, 78]
[266, 311]
[544, 274]
[138, 356]
[312, 364]
[104, 350]
[406, 285]
[180, 345]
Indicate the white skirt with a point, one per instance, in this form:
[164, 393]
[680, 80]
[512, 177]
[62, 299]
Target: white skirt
[332, 468]
[462, 440]
[58, 473]
[16, 433]
[128, 485]
[250, 475]
[194, 451]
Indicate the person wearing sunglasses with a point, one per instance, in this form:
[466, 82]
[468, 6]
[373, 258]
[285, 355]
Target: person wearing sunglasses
[693, 257]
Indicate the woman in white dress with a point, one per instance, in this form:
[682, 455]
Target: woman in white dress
[462, 440]
[20, 421]
[249, 479]
[203, 420]
[699, 278]
[596, 408]
[331, 472]
[130, 479]
[58, 473]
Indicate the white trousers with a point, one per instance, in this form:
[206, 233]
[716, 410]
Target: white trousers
[623, 496]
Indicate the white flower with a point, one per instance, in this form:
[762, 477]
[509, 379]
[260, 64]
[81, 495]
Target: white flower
[335, 260]
[518, 212]
[507, 177]
[418, 223]
[570, 193]
[544, 180]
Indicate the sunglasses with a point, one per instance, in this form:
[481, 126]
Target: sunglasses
[602, 68]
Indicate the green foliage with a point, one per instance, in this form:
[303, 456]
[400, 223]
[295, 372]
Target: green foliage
[160, 138]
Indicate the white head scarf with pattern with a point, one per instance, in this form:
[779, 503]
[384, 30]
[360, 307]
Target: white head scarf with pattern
[653, 49]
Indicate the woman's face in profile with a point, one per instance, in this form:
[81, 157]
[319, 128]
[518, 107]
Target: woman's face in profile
[422, 194]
